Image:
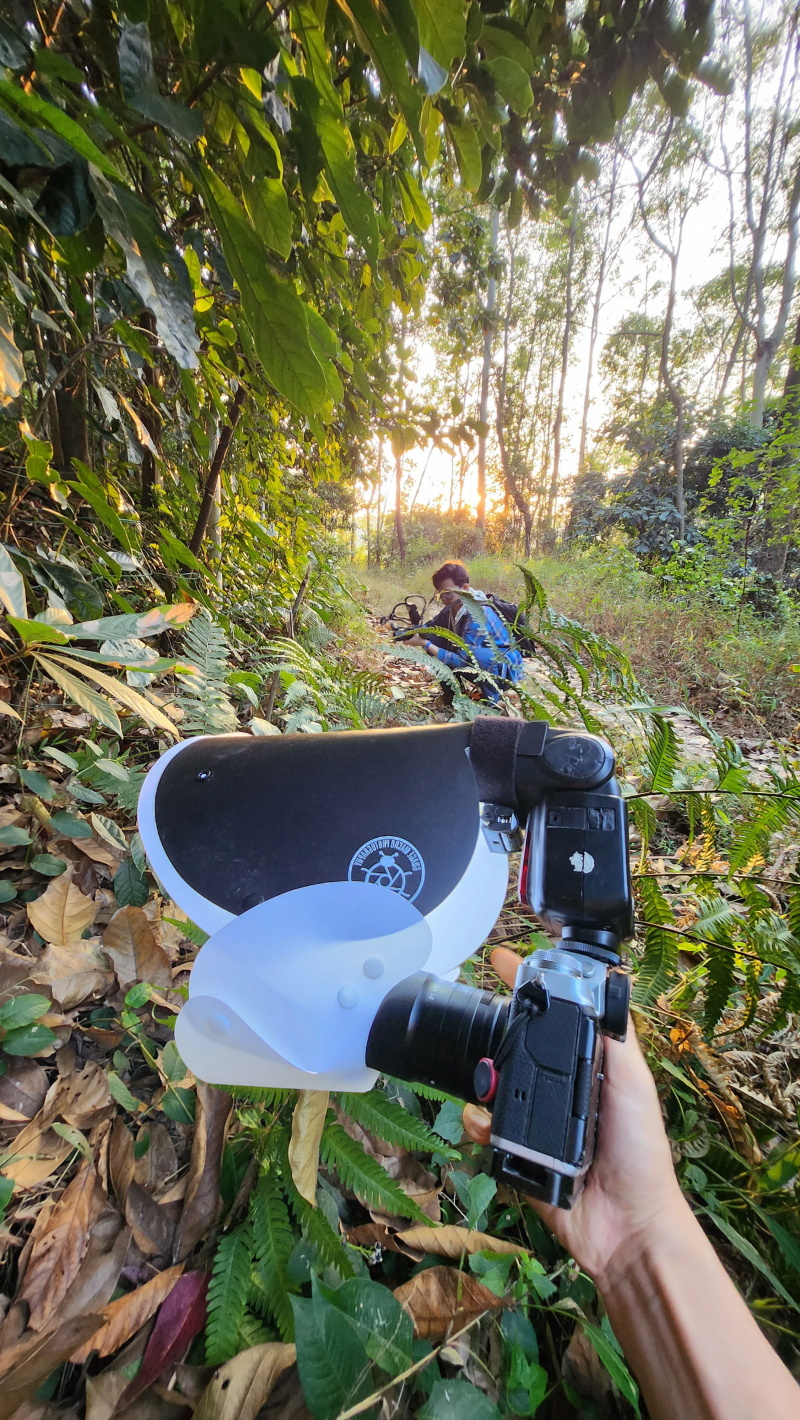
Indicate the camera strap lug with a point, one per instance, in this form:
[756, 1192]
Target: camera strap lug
[536, 993]
[501, 828]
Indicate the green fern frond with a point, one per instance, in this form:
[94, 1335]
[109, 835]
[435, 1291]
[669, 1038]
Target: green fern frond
[227, 1294]
[313, 1222]
[660, 958]
[753, 838]
[364, 1175]
[253, 1094]
[717, 920]
[425, 1092]
[720, 983]
[387, 1120]
[274, 1242]
[254, 1332]
[204, 697]
[644, 817]
[661, 752]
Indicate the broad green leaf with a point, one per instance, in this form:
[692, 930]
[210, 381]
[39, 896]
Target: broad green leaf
[69, 826]
[378, 1319]
[37, 462]
[513, 83]
[38, 784]
[96, 705]
[38, 111]
[355, 203]
[752, 1255]
[499, 43]
[23, 1011]
[138, 81]
[107, 514]
[13, 837]
[468, 153]
[130, 698]
[389, 62]
[121, 1093]
[415, 205]
[275, 314]
[12, 587]
[442, 28]
[37, 633]
[6, 1191]
[332, 1360]
[178, 1104]
[155, 268]
[613, 1363]
[109, 830]
[48, 865]
[30, 1040]
[7, 890]
[457, 1397]
[268, 208]
[130, 887]
[135, 624]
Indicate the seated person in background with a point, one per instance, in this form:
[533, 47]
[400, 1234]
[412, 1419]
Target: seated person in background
[490, 644]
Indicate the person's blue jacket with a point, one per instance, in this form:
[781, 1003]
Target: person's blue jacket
[491, 647]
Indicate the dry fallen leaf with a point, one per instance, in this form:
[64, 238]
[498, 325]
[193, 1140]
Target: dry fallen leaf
[22, 1089]
[442, 1299]
[202, 1206]
[74, 971]
[133, 949]
[124, 1317]
[240, 1388]
[60, 1241]
[308, 1121]
[82, 1100]
[26, 1363]
[152, 1226]
[452, 1241]
[63, 912]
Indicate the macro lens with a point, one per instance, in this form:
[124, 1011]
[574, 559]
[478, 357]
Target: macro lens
[435, 1032]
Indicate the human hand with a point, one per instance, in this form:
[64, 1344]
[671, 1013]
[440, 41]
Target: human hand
[631, 1189]
[415, 640]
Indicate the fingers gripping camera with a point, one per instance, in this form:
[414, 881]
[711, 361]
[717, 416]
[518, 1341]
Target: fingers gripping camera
[342, 875]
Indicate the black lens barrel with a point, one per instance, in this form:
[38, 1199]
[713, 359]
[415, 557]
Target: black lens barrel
[435, 1032]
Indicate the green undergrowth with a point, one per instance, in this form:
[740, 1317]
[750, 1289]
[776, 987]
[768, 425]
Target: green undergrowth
[687, 647]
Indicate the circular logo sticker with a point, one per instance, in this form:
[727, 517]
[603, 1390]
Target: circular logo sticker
[389, 862]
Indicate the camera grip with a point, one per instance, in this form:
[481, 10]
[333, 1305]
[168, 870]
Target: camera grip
[546, 1102]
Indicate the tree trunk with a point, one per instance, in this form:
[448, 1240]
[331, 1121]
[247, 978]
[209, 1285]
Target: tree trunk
[398, 507]
[562, 383]
[595, 322]
[209, 491]
[488, 333]
[773, 548]
[71, 403]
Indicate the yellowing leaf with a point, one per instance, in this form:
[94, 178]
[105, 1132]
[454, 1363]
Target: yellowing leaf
[126, 696]
[12, 367]
[63, 912]
[308, 1121]
[442, 1299]
[240, 1388]
[74, 971]
[59, 1242]
[133, 949]
[452, 1241]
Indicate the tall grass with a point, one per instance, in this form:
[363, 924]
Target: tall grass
[685, 650]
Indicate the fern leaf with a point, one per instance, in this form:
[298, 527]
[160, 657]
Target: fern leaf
[721, 979]
[425, 1092]
[274, 1242]
[753, 837]
[364, 1175]
[253, 1332]
[387, 1120]
[227, 1294]
[662, 755]
[659, 961]
[644, 817]
[204, 697]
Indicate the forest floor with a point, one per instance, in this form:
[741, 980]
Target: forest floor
[123, 1176]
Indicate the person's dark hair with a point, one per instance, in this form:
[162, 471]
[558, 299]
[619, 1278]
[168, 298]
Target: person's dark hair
[456, 571]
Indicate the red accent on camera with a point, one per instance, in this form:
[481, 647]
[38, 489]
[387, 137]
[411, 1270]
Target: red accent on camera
[486, 1080]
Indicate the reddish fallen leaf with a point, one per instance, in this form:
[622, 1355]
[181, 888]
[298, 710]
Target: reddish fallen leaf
[124, 1317]
[180, 1319]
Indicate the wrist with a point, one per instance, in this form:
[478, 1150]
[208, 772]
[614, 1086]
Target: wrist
[644, 1250]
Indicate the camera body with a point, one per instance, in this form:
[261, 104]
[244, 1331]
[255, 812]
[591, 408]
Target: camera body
[535, 1058]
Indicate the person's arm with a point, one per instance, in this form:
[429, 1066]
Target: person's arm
[687, 1334]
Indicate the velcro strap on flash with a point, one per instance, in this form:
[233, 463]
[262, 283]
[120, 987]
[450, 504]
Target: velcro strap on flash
[492, 755]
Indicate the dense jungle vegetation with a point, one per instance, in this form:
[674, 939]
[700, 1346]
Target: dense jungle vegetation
[298, 300]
